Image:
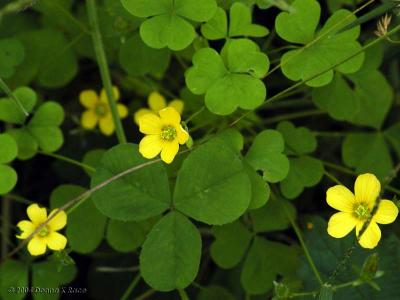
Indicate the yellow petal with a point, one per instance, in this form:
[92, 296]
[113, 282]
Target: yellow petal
[107, 125]
[169, 116]
[370, 237]
[367, 189]
[122, 111]
[150, 124]
[182, 134]
[26, 227]
[387, 212]
[89, 119]
[177, 104]
[103, 94]
[340, 198]
[36, 214]
[169, 151]
[56, 241]
[156, 102]
[140, 113]
[88, 98]
[340, 224]
[59, 221]
[150, 146]
[37, 246]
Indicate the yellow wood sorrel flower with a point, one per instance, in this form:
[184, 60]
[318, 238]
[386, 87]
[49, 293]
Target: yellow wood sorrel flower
[355, 209]
[157, 102]
[48, 235]
[99, 112]
[164, 133]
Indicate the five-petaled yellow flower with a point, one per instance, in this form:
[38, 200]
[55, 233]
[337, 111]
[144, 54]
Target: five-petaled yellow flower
[48, 235]
[98, 110]
[355, 209]
[156, 103]
[164, 133]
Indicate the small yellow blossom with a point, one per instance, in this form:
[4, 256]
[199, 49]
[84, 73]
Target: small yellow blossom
[48, 235]
[163, 132]
[157, 102]
[99, 112]
[355, 210]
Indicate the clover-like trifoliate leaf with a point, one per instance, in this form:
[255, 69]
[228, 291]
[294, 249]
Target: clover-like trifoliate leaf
[240, 24]
[305, 171]
[27, 144]
[13, 275]
[137, 196]
[298, 140]
[266, 154]
[375, 156]
[8, 179]
[8, 148]
[12, 54]
[362, 98]
[215, 292]
[85, 229]
[231, 80]
[136, 58]
[170, 256]
[212, 185]
[332, 47]
[392, 135]
[10, 112]
[260, 190]
[168, 21]
[261, 267]
[230, 245]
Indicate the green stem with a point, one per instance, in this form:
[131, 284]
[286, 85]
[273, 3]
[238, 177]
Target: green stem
[68, 160]
[303, 244]
[145, 295]
[333, 178]
[195, 114]
[5, 225]
[20, 199]
[103, 66]
[131, 287]
[10, 94]
[295, 115]
[183, 295]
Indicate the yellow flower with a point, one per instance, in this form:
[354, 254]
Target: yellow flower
[156, 103]
[164, 133]
[98, 111]
[48, 235]
[355, 209]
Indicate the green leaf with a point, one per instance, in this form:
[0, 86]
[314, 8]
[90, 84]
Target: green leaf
[9, 110]
[13, 278]
[137, 59]
[375, 156]
[265, 154]
[8, 179]
[93, 158]
[45, 276]
[44, 126]
[168, 25]
[217, 27]
[305, 171]
[272, 217]
[171, 254]
[27, 144]
[240, 23]
[86, 224]
[329, 50]
[137, 196]
[392, 134]
[230, 245]
[299, 25]
[260, 191]
[127, 236]
[261, 266]
[231, 81]
[215, 292]
[8, 148]
[12, 54]
[212, 184]
[298, 140]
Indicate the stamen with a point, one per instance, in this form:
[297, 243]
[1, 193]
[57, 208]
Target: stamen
[168, 133]
[361, 211]
[43, 232]
[101, 109]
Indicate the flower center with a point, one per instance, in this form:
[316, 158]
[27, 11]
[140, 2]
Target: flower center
[361, 211]
[101, 109]
[168, 133]
[43, 232]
